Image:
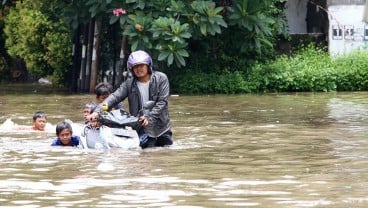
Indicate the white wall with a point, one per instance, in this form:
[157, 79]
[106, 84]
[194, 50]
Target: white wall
[346, 29]
[296, 13]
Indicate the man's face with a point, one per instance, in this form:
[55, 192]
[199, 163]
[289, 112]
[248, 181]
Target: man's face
[140, 70]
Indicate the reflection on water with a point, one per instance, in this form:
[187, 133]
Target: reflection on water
[275, 150]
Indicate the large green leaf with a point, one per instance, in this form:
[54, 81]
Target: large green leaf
[170, 59]
[113, 19]
[163, 55]
[183, 53]
[179, 59]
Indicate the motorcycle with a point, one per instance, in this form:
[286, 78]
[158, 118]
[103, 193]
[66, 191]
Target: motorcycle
[113, 129]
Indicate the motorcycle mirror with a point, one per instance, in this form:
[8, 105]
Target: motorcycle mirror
[149, 105]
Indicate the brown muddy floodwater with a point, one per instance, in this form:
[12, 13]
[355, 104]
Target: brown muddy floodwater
[271, 150]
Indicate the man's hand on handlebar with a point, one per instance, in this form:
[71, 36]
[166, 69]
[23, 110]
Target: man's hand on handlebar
[143, 121]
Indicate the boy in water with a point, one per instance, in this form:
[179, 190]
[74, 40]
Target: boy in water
[88, 108]
[39, 121]
[102, 91]
[64, 133]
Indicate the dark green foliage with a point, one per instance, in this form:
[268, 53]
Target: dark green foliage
[168, 29]
[352, 71]
[212, 83]
[311, 69]
[40, 38]
[3, 66]
[5, 60]
[224, 48]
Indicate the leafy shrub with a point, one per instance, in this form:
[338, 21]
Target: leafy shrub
[43, 43]
[352, 71]
[309, 70]
[212, 83]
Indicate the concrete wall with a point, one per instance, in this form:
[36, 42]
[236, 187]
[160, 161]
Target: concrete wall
[347, 31]
[296, 14]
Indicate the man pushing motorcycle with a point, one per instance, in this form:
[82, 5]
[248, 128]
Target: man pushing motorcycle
[145, 85]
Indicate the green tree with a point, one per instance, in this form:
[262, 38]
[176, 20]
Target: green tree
[174, 32]
[5, 60]
[43, 41]
[164, 33]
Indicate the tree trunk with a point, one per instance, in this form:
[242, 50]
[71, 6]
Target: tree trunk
[82, 73]
[89, 55]
[116, 44]
[76, 59]
[95, 56]
[121, 68]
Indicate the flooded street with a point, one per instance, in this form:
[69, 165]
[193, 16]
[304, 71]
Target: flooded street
[272, 150]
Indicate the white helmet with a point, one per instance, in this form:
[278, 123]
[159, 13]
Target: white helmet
[139, 57]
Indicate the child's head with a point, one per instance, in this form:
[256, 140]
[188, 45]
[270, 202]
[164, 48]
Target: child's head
[39, 121]
[102, 91]
[88, 108]
[64, 132]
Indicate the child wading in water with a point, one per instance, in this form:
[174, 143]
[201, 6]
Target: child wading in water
[64, 133]
[39, 121]
[102, 91]
[87, 110]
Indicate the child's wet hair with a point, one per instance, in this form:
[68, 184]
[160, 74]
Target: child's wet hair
[103, 88]
[63, 125]
[90, 106]
[39, 114]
